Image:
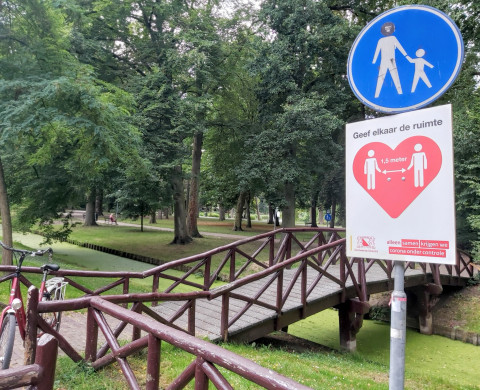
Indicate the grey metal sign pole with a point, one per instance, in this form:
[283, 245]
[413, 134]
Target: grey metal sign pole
[398, 329]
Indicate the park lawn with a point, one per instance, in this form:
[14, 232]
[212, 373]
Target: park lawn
[317, 370]
[214, 225]
[211, 225]
[73, 257]
[156, 243]
[150, 242]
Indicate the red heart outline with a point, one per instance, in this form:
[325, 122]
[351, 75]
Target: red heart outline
[396, 194]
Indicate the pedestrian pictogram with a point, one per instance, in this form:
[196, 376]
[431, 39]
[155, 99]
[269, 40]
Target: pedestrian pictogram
[405, 59]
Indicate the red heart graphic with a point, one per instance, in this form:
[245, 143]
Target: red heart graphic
[395, 177]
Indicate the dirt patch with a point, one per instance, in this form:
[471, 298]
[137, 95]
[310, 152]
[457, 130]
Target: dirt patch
[291, 343]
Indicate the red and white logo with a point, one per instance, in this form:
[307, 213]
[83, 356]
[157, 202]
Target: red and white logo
[365, 242]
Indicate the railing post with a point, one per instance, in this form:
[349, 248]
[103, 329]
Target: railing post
[304, 289]
[191, 317]
[271, 255]
[126, 284]
[155, 287]
[201, 379]
[153, 362]
[289, 246]
[320, 254]
[232, 266]
[206, 275]
[279, 292]
[343, 279]
[46, 358]
[92, 336]
[362, 277]
[224, 316]
[136, 332]
[31, 326]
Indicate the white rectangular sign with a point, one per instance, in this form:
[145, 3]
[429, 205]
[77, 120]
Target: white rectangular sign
[400, 202]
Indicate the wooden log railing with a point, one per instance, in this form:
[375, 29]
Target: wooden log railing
[207, 357]
[322, 255]
[40, 375]
[234, 261]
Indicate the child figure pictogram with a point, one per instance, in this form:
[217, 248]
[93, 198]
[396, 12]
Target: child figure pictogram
[420, 69]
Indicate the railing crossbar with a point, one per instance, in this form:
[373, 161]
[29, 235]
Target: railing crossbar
[191, 271]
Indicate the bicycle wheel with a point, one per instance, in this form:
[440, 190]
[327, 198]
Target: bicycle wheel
[55, 291]
[7, 338]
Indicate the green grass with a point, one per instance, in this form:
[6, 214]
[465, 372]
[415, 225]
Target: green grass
[156, 244]
[319, 371]
[73, 257]
[431, 362]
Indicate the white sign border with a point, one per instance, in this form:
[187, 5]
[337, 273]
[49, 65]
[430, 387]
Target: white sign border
[431, 99]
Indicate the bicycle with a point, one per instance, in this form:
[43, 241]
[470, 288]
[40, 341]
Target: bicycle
[14, 312]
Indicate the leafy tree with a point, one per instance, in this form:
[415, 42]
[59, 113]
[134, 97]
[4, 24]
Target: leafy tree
[303, 97]
[59, 123]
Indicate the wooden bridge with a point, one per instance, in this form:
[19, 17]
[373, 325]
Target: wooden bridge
[267, 282]
[294, 286]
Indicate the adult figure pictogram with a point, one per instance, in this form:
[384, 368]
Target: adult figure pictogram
[419, 164]
[386, 47]
[369, 169]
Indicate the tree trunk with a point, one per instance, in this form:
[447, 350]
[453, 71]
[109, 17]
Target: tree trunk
[179, 215]
[194, 186]
[221, 212]
[334, 207]
[153, 217]
[239, 211]
[288, 211]
[249, 219]
[257, 208]
[99, 202]
[313, 213]
[7, 238]
[271, 211]
[90, 210]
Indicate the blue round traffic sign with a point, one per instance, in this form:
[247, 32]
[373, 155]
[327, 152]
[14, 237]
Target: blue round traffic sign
[328, 217]
[405, 59]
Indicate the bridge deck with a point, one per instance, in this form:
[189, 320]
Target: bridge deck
[259, 321]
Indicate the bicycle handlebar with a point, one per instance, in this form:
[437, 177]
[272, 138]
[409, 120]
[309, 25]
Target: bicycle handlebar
[24, 252]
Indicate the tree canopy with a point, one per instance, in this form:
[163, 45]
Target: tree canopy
[147, 103]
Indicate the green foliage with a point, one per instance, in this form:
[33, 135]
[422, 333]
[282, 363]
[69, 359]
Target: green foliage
[475, 281]
[60, 124]
[50, 231]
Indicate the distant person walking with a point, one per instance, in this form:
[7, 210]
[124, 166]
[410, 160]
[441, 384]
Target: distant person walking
[112, 219]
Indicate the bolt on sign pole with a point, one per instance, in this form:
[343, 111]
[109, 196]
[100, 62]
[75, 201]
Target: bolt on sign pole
[399, 168]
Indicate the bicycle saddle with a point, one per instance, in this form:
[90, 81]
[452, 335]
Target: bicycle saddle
[50, 267]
